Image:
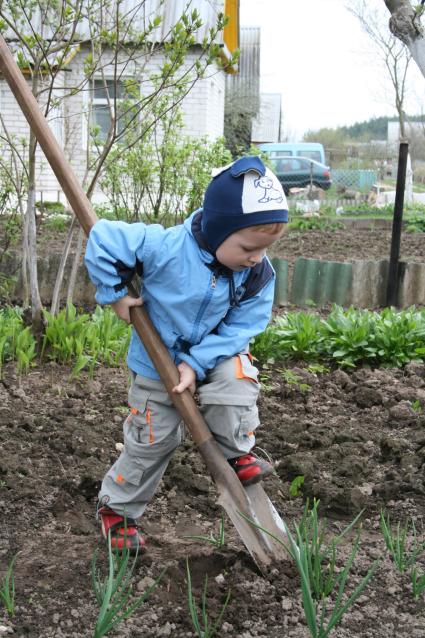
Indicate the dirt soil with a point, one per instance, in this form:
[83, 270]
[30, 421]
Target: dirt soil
[335, 244]
[347, 244]
[355, 438]
[358, 440]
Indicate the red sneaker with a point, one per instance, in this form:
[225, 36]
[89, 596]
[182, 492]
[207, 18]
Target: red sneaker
[250, 469]
[123, 531]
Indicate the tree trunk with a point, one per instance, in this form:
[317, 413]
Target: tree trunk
[54, 309]
[405, 24]
[24, 265]
[36, 305]
[75, 264]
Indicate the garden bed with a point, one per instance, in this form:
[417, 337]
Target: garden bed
[358, 440]
[347, 245]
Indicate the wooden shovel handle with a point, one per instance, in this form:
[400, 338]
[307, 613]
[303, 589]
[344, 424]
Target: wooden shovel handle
[83, 210]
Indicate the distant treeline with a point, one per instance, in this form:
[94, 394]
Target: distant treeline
[373, 129]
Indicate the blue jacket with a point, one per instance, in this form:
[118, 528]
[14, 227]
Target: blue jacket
[187, 298]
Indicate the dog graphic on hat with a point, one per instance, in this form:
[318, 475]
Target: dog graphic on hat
[270, 193]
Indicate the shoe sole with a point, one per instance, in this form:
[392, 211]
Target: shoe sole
[258, 478]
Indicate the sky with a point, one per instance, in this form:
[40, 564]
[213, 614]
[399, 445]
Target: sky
[315, 54]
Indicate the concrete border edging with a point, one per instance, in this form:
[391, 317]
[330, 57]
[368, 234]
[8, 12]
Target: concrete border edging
[321, 281]
[359, 283]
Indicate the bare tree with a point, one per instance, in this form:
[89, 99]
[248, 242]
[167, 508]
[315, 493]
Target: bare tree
[140, 66]
[40, 32]
[393, 54]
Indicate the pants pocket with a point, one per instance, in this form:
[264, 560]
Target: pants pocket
[248, 421]
[245, 369]
[127, 469]
[138, 398]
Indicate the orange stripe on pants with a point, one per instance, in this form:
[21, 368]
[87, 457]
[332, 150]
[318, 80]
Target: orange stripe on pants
[239, 371]
[149, 422]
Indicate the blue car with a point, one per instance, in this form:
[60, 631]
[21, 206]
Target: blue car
[300, 172]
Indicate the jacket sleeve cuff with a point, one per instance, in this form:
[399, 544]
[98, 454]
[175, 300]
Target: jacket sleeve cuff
[200, 372]
[107, 294]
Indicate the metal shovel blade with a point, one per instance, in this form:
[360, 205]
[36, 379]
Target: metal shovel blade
[267, 516]
[248, 508]
[264, 549]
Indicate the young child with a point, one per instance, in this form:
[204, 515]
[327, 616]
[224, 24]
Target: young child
[208, 288]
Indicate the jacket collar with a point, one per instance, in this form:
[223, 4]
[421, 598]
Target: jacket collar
[214, 265]
[198, 235]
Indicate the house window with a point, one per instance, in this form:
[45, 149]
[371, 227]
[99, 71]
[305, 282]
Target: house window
[104, 95]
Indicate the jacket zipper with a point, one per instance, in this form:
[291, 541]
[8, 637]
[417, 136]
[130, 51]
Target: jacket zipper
[203, 307]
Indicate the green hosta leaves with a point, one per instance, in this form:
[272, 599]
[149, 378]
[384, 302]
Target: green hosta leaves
[16, 341]
[348, 337]
[80, 340]
[86, 341]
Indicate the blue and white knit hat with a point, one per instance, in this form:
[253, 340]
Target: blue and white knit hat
[242, 194]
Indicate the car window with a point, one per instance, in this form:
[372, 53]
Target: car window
[285, 165]
[315, 155]
[294, 165]
[279, 154]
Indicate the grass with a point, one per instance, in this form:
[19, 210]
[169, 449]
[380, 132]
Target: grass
[202, 623]
[217, 541]
[418, 583]
[115, 592]
[404, 549]
[321, 578]
[7, 590]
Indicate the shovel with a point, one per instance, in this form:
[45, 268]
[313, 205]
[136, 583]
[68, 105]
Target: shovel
[240, 503]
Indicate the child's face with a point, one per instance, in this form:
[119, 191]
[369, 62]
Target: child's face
[245, 248]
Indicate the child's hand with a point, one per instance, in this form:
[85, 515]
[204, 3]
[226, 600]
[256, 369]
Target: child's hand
[187, 378]
[123, 305]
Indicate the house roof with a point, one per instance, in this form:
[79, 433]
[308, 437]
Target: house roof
[140, 14]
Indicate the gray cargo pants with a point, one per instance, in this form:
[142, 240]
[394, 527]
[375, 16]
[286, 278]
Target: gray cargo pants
[153, 430]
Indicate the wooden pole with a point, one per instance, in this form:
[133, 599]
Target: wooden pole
[392, 283]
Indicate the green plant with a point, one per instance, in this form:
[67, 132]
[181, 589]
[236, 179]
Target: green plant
[50, 208]
[318, 368]
[202, 626]
[264, 346]
[346, 338]
[321, 556]
[7, 285]
[295, 486]
[264, 379]
[314, 223]
[16, 341]
[361, 336]
[85, 341]
[298, 335]
[7, 591]
[114, 592]
[417, 407]
[218, 541]
[58, 223]
[303, 549]
[415, 221]
[295, 380]
[402, 544]
[418, 583]
[172, 176]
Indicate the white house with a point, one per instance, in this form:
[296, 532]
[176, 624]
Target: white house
[203, 107]
[266, 126]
